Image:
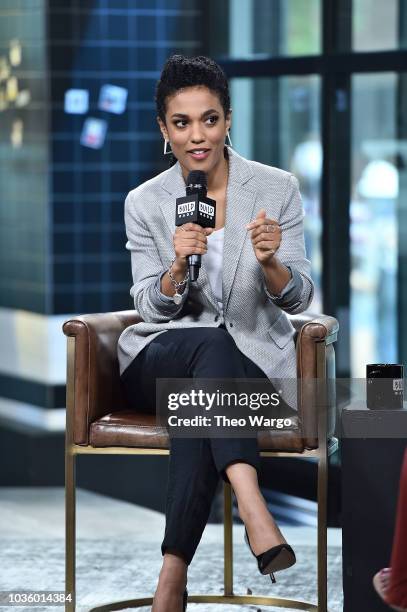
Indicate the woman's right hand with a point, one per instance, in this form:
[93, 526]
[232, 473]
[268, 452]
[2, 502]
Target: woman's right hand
[190, 239]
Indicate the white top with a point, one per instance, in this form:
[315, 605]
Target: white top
[213, 264]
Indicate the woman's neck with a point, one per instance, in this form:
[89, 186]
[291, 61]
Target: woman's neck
[218, 178]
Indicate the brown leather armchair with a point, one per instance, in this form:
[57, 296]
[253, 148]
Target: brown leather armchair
[98, 420]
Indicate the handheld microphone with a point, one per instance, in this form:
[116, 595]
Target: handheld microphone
[195, 207]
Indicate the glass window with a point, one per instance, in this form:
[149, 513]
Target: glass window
[374, 211]
[253, 28]
[276, 121]
[376, 24]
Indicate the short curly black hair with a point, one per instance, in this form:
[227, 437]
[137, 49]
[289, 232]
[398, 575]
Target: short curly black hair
[180, 71]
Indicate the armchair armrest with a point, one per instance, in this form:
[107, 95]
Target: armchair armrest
[316, 334]
[93, 380]
[319, 326]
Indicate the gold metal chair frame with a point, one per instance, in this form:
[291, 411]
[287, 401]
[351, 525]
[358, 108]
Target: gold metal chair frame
[324, 450]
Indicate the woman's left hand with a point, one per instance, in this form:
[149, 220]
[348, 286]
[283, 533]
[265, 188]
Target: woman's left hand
[265, 236]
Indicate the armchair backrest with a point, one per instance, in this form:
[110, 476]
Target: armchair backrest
[94, 366]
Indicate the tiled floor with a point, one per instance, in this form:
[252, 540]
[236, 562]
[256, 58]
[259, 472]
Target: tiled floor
[40, 512]
[119, 554]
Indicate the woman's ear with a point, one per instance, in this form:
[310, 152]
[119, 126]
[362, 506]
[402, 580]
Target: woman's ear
[228, 119]
[162, 128]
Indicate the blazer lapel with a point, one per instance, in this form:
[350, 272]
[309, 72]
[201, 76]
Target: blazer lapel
[240, 202]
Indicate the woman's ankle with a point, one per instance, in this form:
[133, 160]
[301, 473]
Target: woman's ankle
[174, 569]
[250, 510]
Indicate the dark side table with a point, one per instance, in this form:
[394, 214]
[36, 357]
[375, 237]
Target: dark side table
[372, 449]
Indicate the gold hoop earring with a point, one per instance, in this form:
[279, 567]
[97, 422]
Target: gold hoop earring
[228, 144]
[165, 147]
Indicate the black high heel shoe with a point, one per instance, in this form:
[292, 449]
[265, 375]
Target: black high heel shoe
[184, 601]
[275, 559]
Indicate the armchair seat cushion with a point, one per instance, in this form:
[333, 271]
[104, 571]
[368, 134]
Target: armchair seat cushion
[136, 429]
[128, 428]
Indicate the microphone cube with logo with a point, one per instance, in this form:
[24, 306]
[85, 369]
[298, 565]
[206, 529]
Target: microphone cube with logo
[195, 208]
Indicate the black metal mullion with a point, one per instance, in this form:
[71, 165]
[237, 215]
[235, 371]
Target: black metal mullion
[267, 120]
[215, 34]
[336, 174]
[378, 61]
[402, 24]
[335, 199]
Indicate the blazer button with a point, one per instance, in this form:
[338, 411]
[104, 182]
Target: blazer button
[230, 324]
[217, 318]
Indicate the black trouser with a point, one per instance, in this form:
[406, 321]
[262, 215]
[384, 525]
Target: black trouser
[194, 464]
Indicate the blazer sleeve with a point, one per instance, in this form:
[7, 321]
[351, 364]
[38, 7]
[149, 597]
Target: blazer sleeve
[146, 266]
[297, 295]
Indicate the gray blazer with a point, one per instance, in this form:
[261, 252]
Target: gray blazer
[255, 318]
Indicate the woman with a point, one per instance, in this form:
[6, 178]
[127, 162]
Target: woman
[229, 323]
[391, 582]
